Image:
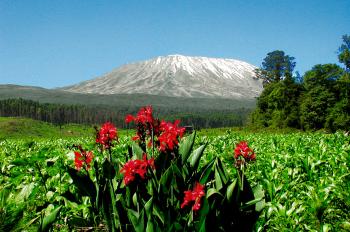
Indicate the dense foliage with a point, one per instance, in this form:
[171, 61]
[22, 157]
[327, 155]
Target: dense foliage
[60, 114]
[320, 101]
[305, 179]
[276, 65]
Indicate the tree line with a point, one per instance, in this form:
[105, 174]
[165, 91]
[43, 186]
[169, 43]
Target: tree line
[60, 114]
[317, 100]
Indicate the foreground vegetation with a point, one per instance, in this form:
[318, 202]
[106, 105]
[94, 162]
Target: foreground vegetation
[305, 178]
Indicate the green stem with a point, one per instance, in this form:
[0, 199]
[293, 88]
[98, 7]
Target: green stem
[242, 176]
[41, 177]
[152, 142]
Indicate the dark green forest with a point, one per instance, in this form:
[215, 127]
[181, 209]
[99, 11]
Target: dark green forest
[318, 100]
[60, 114]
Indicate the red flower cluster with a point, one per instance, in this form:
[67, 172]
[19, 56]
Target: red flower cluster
[82, 158]
[167, 133]
[170, 135]
[106, 135]
[145, 115]
[145, 123]
[242, 150]
[139, 167]
[195, 196]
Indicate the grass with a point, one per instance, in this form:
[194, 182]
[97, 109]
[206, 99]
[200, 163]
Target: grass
[25, 128]
[305, 176]
[22, 128]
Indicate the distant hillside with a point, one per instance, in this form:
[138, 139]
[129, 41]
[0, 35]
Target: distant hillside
[127, 101]
[13, 127]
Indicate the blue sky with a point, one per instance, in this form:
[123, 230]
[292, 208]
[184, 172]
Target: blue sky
[56, 43]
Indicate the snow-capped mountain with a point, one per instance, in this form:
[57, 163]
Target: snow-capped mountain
[177, 75]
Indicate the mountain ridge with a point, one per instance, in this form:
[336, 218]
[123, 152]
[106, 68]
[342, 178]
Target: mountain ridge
[177, 76]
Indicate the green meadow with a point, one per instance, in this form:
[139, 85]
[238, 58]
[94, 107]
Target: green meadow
[305, 177]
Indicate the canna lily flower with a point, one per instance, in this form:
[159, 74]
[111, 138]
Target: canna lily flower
[194, 196]
[129, 118]
[170, 135]
[106, 135]
[145, 115]
[134, 168]
[243, 153]
[82, 158]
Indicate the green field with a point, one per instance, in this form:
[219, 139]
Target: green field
[305, 178]
[29, 129]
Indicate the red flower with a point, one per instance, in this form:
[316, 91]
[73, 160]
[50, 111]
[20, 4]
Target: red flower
[129, 171]
[195, 196]
[145, 123]
[129, 118]
[139, 167]
[78, 160]
[106, 135]
[242, 150]
[83, 158]
[145, 115]
[170, 135]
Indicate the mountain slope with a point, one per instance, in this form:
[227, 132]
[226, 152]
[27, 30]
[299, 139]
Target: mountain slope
[125, 101]
[178, 75]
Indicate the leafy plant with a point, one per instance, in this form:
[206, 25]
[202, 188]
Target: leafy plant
[162, 186]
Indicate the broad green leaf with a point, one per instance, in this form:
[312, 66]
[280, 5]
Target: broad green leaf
[20, 162]
[49, 220]
[186, 146]
[107, 206]
[137, 151]
[159, 213]
[345, 225]
[211, 192]
[252, 202]
[108, 169]
[204, 210]
[201, 224]
[221, 170]
[115, 215]
[195, 156]
[218, 181]
[150, 227]
[326, 228]
[206, 171]
[25, 192]
[230, 190]
[259, 194]
[134, 199]
[137, 220]
[148, 207]
[83, 183]
[133, 217]
[178, 227]
[166, 179]
[176, 170]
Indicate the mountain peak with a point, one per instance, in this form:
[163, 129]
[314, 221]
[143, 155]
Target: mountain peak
[178, 75]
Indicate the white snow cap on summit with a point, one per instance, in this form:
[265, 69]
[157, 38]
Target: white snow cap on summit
[178, 75]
